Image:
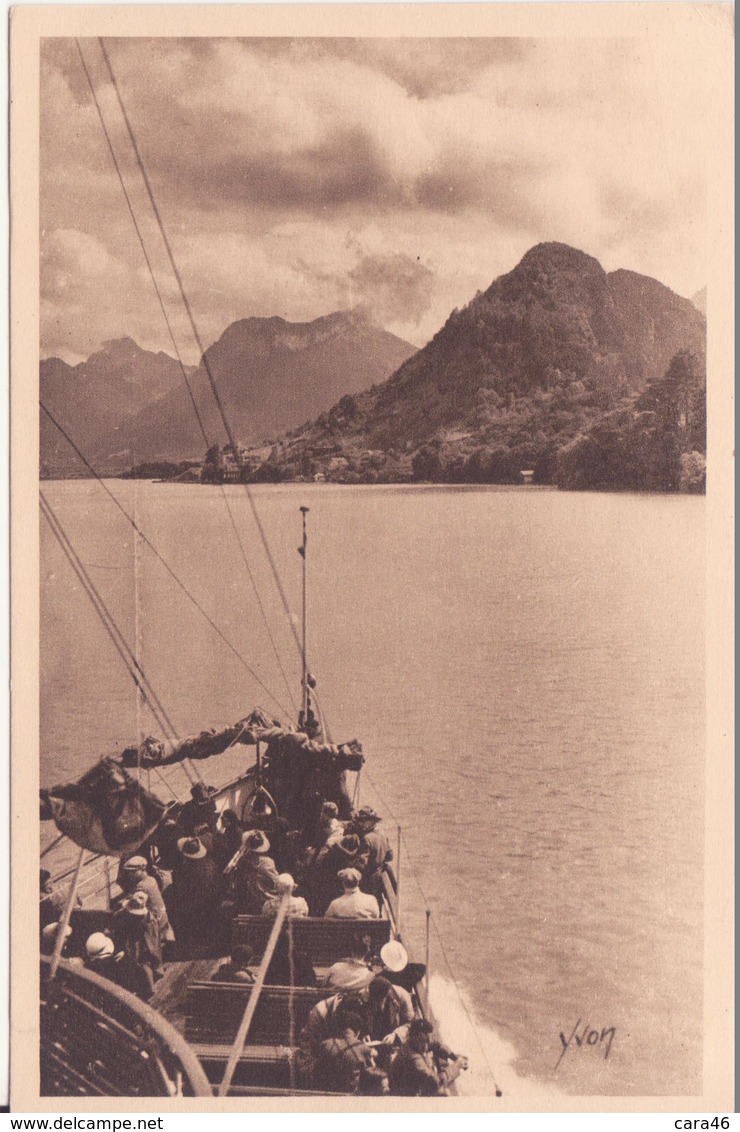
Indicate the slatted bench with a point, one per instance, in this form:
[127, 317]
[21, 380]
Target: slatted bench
[324, 940]
[214, 1011]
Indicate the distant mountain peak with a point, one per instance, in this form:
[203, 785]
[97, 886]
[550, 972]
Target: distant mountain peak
[125, 345]
[553, 254]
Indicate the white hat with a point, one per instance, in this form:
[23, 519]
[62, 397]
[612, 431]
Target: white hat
[49, 936]
[285, 883]
[394, 955]
[99, 946]
[134, 864]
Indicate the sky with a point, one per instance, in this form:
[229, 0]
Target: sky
[296, 177]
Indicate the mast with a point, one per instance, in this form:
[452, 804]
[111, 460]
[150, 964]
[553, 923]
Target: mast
[302, 550]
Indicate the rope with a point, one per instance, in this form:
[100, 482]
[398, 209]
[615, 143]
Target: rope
[133, 667]
[172, 336]
[451, 973]
[204, 359]
[191, 597]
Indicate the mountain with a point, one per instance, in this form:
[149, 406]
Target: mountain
[271, 375]
[94, 399]
[520, 371]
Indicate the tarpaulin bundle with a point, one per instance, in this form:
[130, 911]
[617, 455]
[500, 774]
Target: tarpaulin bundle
[255, 728]
[105, 811]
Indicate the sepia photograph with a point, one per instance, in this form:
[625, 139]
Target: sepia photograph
[367, 613]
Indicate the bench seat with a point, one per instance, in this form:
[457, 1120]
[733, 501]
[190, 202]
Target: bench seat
[324, 940]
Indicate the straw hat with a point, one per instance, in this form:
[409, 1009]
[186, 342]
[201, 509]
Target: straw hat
[394, 955]
[192, 847]
[255, 841]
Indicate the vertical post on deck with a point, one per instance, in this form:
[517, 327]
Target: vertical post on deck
[246, 1022]
[398, 879]
[64, 922]
[302, 550]
[426, 977]
[108, 883]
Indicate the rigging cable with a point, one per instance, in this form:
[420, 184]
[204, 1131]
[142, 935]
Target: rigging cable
[183, 370]
[196, 335]
[133, 667]
[156, 553]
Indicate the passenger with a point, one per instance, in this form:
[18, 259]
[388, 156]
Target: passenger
[193, 900]
[236, 969]
[165, 839]
[133, 877]
[230, 838]
[103, 959]
[376, 847]
[389, 1011]
[331, 829]
[323, 877]
[344, 1062]
[136, 932]
[322, 1023]
[255, 874]
[423, 1068]
[353, 904]
[49, 939]
[53, 899]
[199, 816]
[290, 965]
[353, 972]
[297, 906]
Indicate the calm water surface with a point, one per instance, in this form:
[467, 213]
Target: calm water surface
[526, 672]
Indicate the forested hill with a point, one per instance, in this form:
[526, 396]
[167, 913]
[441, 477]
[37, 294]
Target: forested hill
[509, 381]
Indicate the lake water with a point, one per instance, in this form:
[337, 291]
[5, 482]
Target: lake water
[526, 671]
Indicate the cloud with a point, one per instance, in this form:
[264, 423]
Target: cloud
[297, 176]
[395, 288]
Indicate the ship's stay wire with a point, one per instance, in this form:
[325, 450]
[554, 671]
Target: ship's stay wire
[440, 941]
[124, 650]
[196, 335]
[173, 340]
[188, 593]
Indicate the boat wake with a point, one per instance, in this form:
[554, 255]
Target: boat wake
[492, 1058]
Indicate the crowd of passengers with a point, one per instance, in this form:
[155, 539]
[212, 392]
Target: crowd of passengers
[180, 892]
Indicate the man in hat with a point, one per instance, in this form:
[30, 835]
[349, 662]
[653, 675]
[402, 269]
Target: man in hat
[297, 906]
[323, 883]
[375, 846]
[345, 1063]
[49, 939]
[353, 904]
[136, 932]
[396, 967]
[324, 1022]
[134, 877]
[255, 876]
[422, 1067]
[53, 899]
[390, 1009]
[102, 959]
[199, 816]
[193, 899]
